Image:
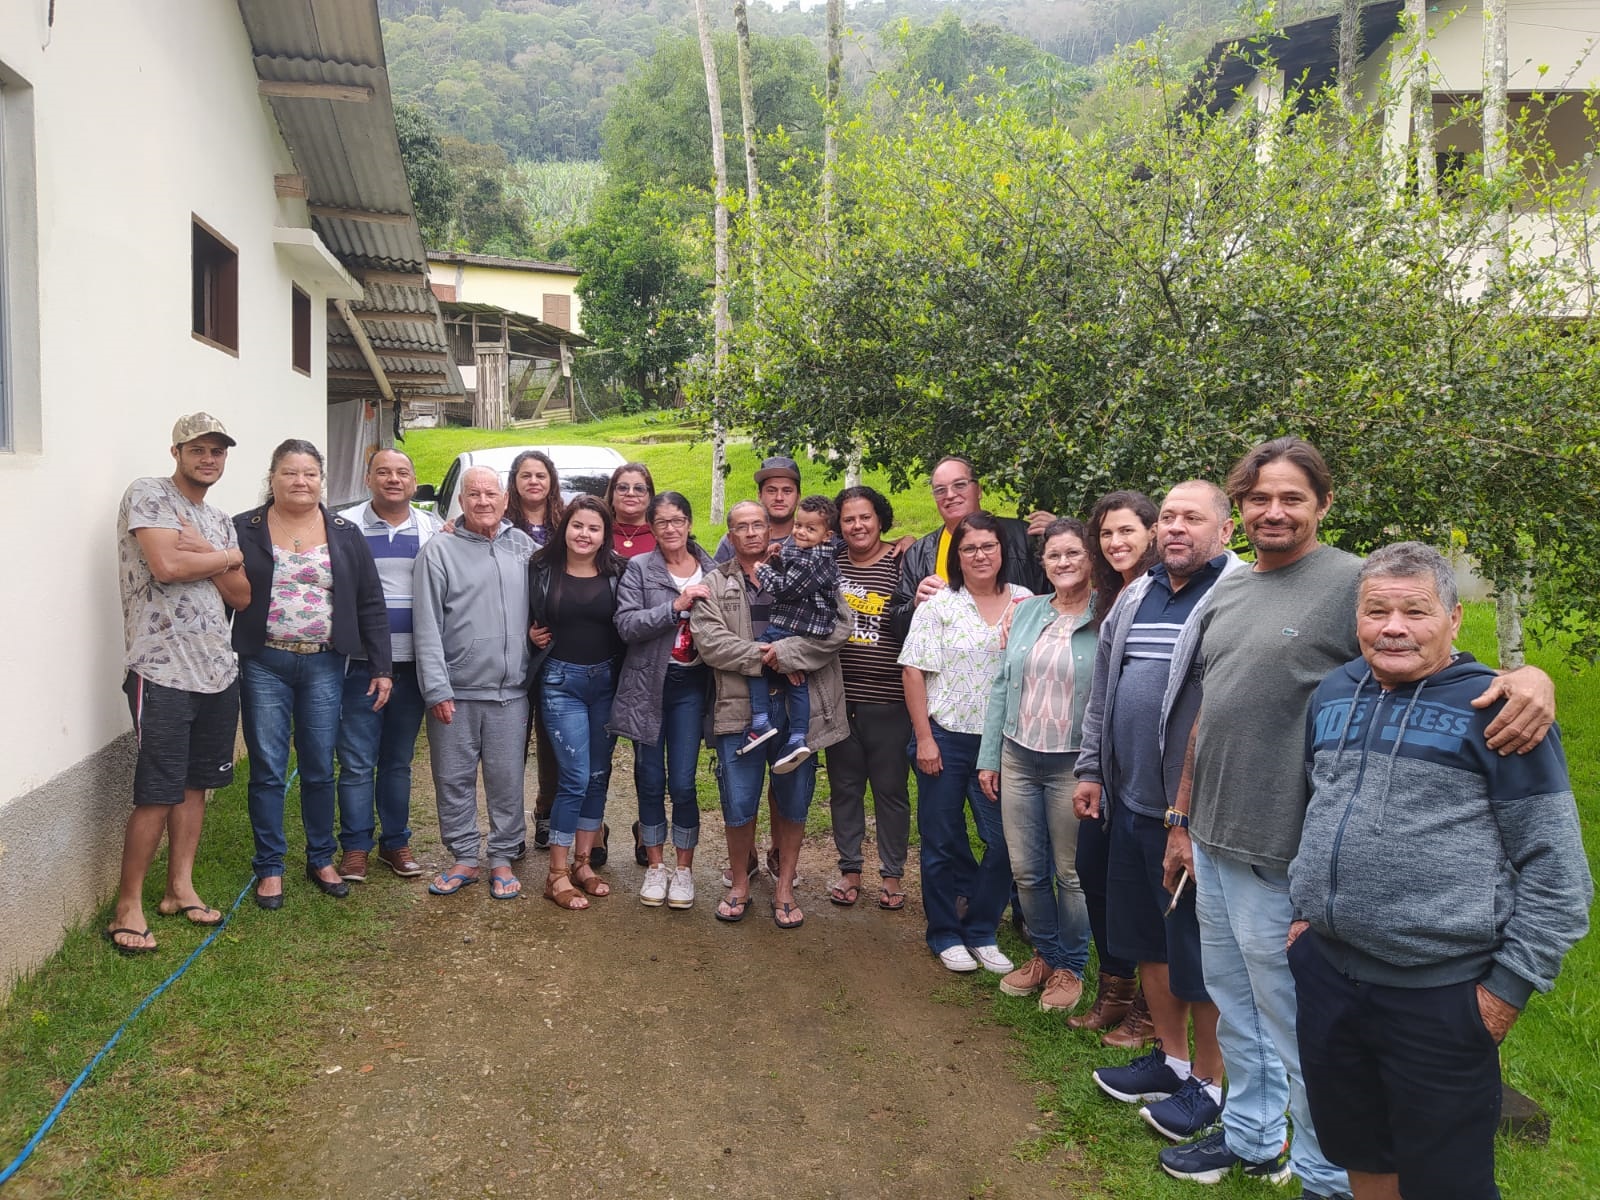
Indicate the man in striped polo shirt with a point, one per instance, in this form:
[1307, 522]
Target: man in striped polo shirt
[375, 747]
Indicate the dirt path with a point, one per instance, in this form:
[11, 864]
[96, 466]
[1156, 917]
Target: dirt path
[514, 1049]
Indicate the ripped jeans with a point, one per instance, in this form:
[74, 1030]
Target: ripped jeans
[576, 703]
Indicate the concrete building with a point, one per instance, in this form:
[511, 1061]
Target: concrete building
[192, 192]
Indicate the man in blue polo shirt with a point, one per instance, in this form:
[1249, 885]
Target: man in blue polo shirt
[375, 747]
[1135, 730]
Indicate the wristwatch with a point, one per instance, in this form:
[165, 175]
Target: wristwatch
[1175, 819]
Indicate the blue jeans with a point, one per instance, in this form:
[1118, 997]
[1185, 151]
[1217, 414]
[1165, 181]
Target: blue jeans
[948, 868]
[1244, 915]
[576, 703]
[377, 745]
[1041, 833]
[668, 766]
[792, 698]
[741, 777]
[278, 690]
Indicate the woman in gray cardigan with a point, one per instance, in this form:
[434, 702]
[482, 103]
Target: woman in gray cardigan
[661, 695]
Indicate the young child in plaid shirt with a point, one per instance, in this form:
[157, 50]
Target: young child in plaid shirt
[803, 579]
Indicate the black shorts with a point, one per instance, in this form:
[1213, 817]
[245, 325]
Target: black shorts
[185, 739]
[1137, 924]
[1400, 1080]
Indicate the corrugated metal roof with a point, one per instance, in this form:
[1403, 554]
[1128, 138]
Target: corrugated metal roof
[497, 260]
[350, 154]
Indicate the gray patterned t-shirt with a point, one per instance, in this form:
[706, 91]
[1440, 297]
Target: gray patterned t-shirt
[176, 633]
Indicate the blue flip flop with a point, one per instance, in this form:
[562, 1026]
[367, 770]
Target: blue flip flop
[463, 880]
[508, 888]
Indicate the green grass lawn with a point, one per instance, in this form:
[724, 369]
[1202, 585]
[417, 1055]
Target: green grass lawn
[677, 449]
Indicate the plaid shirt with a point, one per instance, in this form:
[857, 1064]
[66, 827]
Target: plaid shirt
[804, 584]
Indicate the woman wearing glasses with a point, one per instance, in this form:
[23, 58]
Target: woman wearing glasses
[948, 665]
[661, 695]
[629, 495]
[1030, 743]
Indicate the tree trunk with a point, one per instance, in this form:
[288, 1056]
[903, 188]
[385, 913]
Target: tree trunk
[1421, 84]
[1495, 148]
[722, 324]
[1508, 606]
[830, 141]
[1349, 51]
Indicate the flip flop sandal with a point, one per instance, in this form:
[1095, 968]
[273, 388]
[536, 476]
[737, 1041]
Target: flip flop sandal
[504, 888]
[442, 885]
[737, 906]
[110, 935]
[846, 896]
[893, 901]
[193, 908]
[780, 914]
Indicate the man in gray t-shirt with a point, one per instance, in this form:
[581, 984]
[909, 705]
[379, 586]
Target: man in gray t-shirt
[179, 571]
[1269, 637]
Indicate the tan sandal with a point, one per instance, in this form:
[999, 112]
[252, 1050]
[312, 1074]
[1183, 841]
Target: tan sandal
[593, 885]
[558, 889]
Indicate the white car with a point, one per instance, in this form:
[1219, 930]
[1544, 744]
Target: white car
[582, 469]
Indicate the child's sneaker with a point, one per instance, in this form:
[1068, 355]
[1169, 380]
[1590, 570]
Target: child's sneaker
[758, 735]
[793, 755]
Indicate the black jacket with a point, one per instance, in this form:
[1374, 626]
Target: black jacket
[1022, 566]
[360, 615]
[539, 579]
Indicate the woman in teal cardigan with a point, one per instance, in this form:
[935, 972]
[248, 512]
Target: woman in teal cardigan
[1030, 743]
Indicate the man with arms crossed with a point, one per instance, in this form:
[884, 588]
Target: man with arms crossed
[376, 745]
[1269, 636]
[180, 571]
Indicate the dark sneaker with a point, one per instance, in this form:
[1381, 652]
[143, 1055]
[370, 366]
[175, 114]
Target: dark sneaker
[1209, 1161]
[541, 833]
[1146, 1078]
[793, 755]
[1185, 1113]
[520, 853]
[758, 737]
[602, 849]
[401, 861]
[353, 866]
[640, 855]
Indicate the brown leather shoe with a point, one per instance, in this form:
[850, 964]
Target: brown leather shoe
[353, 866]
[401, 861]
[1062, 992]
[1113, 998]
[1137, 1029]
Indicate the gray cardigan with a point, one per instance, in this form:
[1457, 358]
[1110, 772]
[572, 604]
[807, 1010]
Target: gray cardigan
[1180, 701]
[647, 623]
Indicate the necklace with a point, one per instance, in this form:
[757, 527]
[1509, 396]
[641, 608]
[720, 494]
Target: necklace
[283, 524]
[629, 532]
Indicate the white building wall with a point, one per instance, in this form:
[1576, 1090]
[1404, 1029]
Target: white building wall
[143, 115]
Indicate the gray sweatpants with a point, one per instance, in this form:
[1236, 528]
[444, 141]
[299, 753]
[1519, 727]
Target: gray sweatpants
[875, 753]
[494, 733]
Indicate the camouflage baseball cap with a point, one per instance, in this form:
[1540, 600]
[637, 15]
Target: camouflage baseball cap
[198, 425]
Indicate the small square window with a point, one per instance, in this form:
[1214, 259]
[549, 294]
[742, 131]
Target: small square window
[215, 273]
[300, 306]
[558, 310]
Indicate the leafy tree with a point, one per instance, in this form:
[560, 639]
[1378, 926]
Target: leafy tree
[640, 301]
[434, 190]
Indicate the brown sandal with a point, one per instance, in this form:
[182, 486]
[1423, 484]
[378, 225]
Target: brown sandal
[593, 885]
[559, 891]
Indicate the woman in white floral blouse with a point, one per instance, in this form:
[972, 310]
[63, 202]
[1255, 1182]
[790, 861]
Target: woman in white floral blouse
[949, 662]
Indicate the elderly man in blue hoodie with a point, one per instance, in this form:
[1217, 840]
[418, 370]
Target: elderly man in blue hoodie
[470, 608]
[1437, 886]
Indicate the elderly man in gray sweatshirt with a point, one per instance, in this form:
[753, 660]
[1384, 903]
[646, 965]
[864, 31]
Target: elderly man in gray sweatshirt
[1438, 885]
[470, 612]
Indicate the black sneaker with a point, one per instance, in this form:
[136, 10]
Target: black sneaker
[1209, 1161]
[602, 849]
[640, 856]
[520, 853]
[1146, 1078]
[1185, 1113]
[541, 833]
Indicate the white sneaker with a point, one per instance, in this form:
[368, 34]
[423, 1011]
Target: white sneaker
[993, 960]
[957, 959]
[654, 891]
[681, 893]
[791, 758]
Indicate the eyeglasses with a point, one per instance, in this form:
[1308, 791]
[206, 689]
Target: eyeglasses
[1066, 556]
[959, 487]
[748, 527]
[987, 550]
[632, 489]
[672, 522]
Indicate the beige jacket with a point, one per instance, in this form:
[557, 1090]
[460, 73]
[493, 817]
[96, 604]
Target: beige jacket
[721, 628]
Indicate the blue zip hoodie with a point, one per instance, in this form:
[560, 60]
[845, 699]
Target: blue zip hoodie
[1426, 858]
